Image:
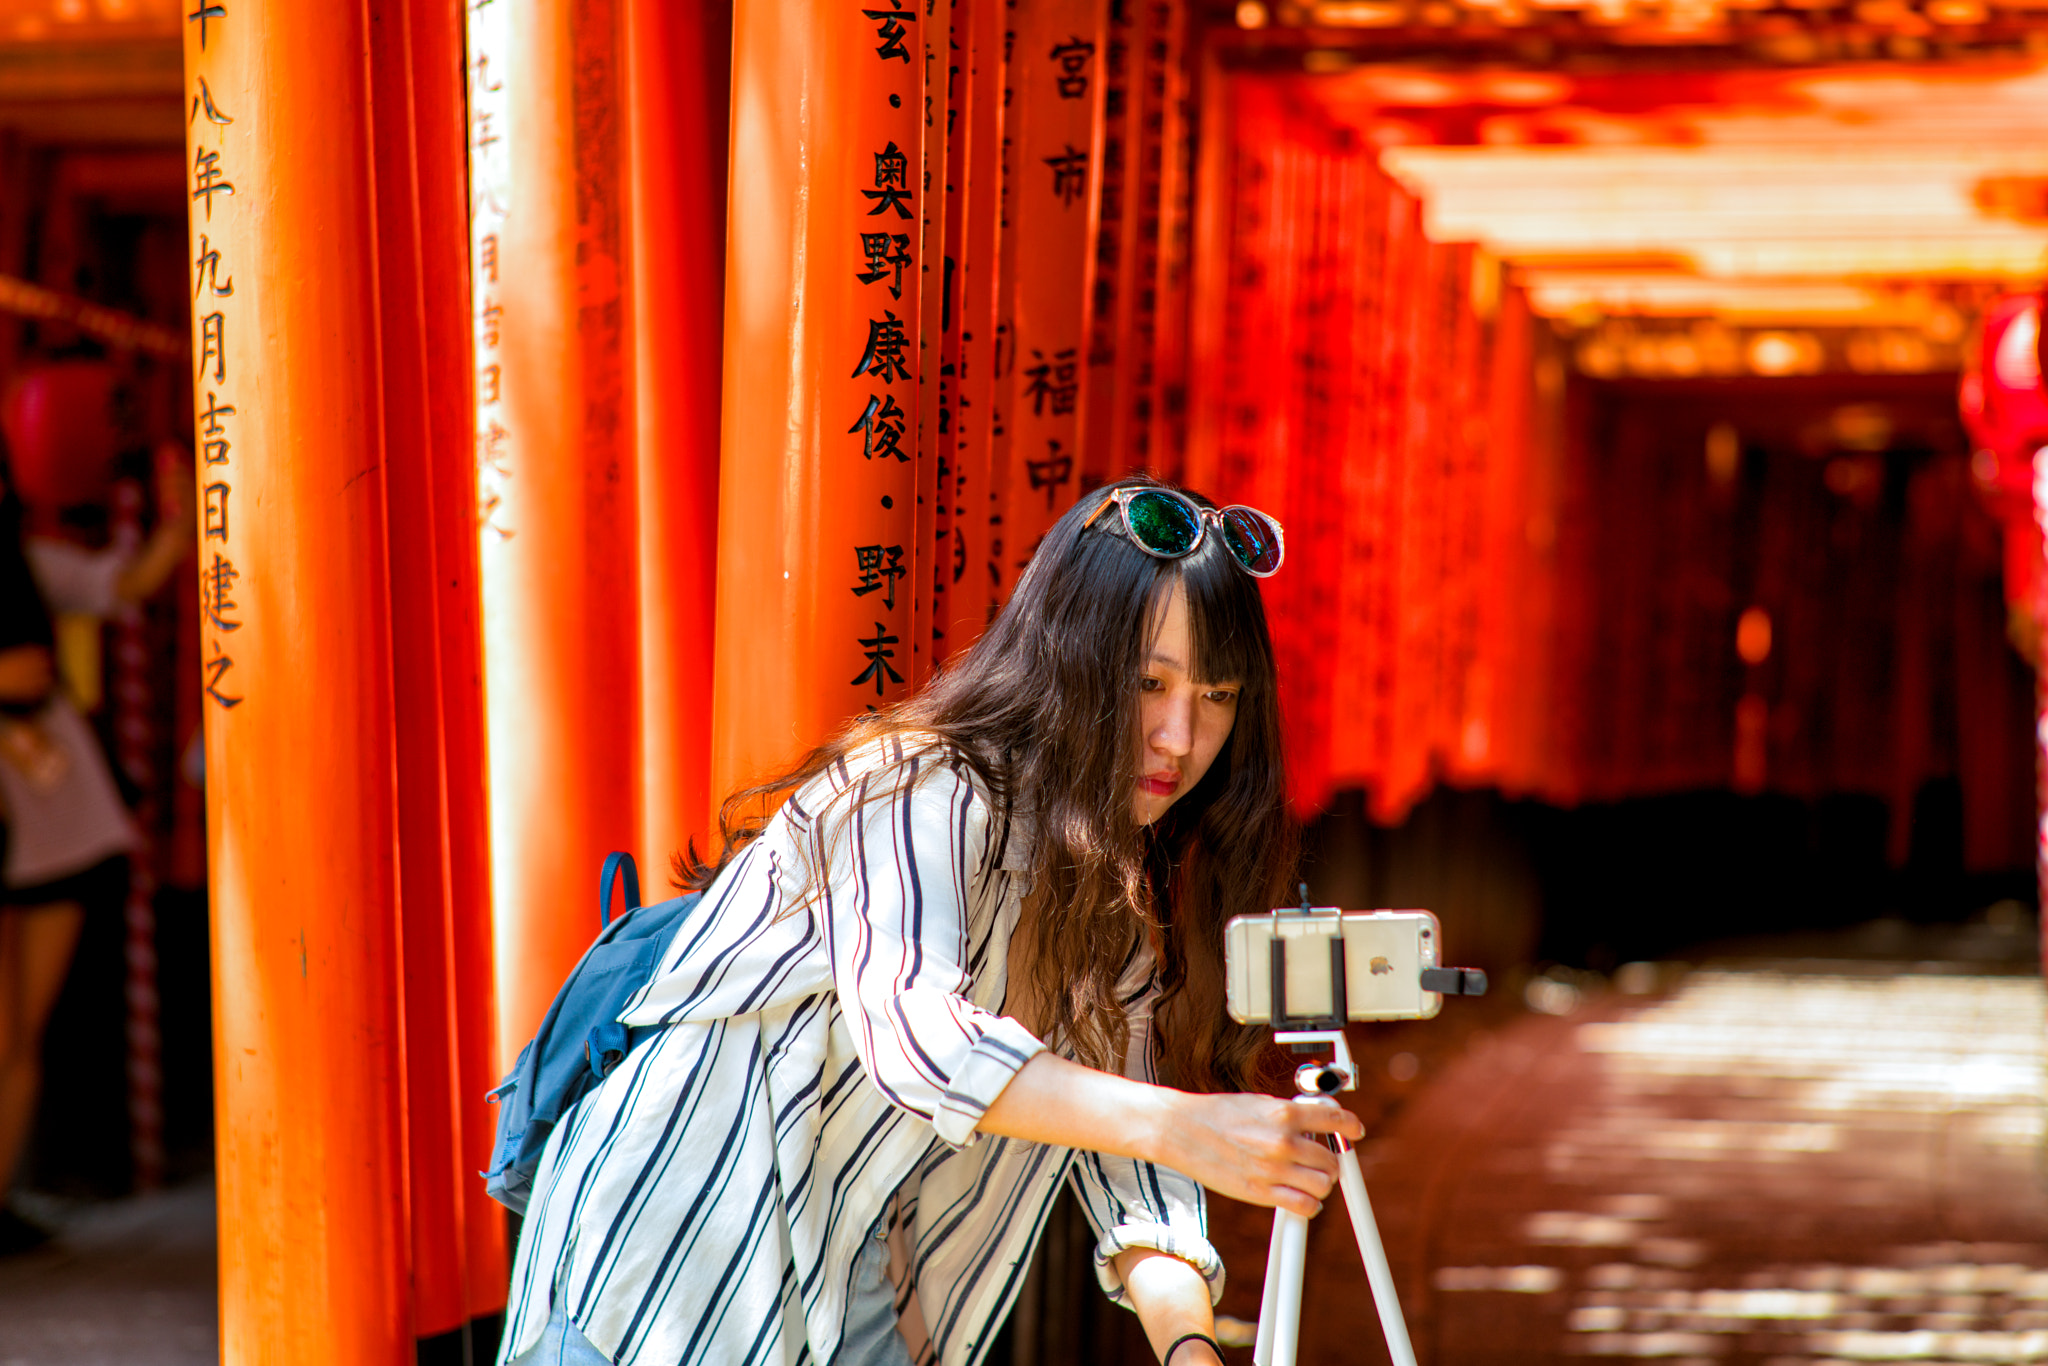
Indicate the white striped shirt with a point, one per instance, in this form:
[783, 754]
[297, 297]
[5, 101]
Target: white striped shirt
[823, 1068]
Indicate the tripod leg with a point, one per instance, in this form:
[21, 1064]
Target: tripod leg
[1377, 1273]
[1269, 1299]
[1282, 1307]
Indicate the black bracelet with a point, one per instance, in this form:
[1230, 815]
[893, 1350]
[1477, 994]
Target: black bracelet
[1175, 1346]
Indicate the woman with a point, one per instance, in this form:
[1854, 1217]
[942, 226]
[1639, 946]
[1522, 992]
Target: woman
[852, 1105]
[66, 831]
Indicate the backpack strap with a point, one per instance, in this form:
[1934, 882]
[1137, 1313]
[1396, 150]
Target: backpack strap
[615, 863]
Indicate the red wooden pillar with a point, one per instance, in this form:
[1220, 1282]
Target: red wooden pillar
[458, 1256]
[1356, 739]
[977, 157]
[933, 521]
[557, 474]
[438, 102]
[1137, 235]
[1512, 591]
[678, 98]
[1054, 126]
[1396, 449]
[817, 484]
[1211, 248]
[1163, 401]
[297, 662]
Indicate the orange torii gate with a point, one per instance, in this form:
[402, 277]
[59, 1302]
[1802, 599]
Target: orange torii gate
[556, 466]
[492, 382]
[817, 548]
[308, 602]
[343, 653]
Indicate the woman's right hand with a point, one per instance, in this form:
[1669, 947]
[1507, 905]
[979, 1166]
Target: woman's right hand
[1253, 1148]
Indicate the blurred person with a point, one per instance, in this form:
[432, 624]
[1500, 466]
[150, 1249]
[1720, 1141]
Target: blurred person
[66, 831]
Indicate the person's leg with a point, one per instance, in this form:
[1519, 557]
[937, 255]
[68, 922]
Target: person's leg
[36, 944]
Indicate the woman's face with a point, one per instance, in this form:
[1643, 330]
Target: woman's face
[1182, 723]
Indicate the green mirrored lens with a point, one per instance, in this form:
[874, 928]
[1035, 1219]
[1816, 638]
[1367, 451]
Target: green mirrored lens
[1163, 524]
[1253, 538]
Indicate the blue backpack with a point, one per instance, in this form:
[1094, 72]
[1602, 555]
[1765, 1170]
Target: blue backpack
[580, 1039]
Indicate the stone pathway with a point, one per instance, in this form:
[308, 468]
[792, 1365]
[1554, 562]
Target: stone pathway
[128, 1283]
[1792, 1164]
[1812, 1164]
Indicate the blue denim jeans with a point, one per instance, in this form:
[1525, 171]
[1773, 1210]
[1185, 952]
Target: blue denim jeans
[562, 1344]
[868, 1339]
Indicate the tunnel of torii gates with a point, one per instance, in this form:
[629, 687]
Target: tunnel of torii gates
[554, 480]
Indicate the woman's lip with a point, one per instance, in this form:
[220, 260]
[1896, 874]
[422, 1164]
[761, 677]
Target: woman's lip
[1161, 786]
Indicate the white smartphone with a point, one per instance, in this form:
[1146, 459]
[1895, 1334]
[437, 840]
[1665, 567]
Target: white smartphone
[1383, 955]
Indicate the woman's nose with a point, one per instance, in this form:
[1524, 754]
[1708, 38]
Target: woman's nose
[1173, 728]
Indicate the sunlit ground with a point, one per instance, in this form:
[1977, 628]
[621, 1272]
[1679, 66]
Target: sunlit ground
[1790, 1165]
[1871, 1093]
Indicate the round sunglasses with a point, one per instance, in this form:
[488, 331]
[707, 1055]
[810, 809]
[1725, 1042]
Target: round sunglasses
[1171, 525]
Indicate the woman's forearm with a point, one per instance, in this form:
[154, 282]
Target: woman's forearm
[1172, 1301]
[1053, 1100]
[1248, 1147]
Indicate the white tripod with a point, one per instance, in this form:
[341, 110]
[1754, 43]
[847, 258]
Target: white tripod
[1280, 1307]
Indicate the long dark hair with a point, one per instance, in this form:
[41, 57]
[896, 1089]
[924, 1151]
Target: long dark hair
[1044, 709]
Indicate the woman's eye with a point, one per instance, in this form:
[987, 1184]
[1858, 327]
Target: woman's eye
[1149, 685]
[1223, 696]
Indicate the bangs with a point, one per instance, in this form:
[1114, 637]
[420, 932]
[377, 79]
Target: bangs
[1226, 617]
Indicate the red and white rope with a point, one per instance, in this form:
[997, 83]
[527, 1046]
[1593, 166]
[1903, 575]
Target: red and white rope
[134, 735]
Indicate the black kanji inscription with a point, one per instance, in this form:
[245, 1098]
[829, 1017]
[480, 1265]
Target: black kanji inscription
[1069, 175]
[883, 356]
[208, 179]
[892, 182]
[878, 656]
[890, 29]
[882, 424]
[879, 566]
[1073, 57]
[1053, 383]
[887, 253]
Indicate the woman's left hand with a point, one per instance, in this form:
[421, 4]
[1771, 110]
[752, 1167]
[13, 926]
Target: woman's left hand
[1172, 1301]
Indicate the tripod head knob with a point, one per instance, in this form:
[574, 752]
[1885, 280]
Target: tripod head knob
[1322, 1079]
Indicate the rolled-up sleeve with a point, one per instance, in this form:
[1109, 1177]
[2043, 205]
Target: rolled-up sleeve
[1142, 1204]
[897, 914]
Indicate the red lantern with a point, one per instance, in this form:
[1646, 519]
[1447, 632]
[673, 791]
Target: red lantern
[2005, 408]
[2002, 398]
[58, 419]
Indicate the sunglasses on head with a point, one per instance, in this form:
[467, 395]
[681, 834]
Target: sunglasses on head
[1171, 526]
